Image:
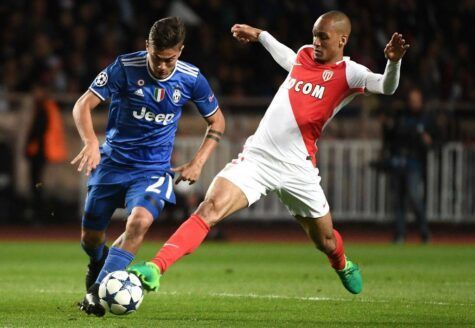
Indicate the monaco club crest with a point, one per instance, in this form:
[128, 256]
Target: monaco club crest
[158, 94]
[327, 75]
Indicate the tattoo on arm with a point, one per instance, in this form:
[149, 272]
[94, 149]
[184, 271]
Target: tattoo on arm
[210, 136]
[214, 135]
[217, 133]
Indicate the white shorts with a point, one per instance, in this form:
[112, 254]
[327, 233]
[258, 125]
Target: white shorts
[297, 186]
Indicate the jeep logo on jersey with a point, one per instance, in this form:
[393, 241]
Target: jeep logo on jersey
[158, 94]
[151, 116]
[306, 88]
[176, 95]
[327, 75]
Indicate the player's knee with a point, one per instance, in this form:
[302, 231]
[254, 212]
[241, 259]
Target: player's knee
[209, 212]
[138, 223]
[92, 238]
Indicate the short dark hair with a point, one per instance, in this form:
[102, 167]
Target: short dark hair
[167, 33]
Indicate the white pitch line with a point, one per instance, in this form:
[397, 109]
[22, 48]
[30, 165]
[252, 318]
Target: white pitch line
[277, 297]
[315, 298]
[311, 298]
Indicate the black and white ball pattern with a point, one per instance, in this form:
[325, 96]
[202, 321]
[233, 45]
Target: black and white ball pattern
[101, 79]
[121, 292]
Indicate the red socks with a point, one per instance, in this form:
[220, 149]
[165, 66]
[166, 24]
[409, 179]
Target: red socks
[184, 241]
[193, 231]
[337, 258]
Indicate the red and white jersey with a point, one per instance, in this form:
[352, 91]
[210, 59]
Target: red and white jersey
[308, 99]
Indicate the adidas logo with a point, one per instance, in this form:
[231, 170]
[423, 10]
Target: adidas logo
[139, 92]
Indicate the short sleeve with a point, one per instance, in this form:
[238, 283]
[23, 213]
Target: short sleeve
[109, 81]
[203, 97]
[357, 75]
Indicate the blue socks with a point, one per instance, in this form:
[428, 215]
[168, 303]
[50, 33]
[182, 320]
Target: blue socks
[95, 254]
[118, 259]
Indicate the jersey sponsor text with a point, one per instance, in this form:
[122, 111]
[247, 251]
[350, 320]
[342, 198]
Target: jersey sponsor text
[151, 116]
[306, 88]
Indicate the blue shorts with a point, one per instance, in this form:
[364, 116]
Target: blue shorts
[148, 191]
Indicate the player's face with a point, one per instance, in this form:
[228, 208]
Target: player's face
[327, 42]
[163, 62]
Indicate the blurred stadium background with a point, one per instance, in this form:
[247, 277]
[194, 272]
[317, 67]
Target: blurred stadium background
[60, 46]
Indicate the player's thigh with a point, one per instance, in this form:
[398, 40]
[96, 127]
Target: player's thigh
[149, 193]
[253, 175]
[301, 192]
[222, 199]
[101, 202]
[306, 202]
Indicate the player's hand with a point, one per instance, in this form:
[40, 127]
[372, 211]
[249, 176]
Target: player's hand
[88, 158]
[188, 172]
[396, 47]
[245, 33]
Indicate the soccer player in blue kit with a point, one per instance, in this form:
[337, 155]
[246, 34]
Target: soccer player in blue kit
[147, 92]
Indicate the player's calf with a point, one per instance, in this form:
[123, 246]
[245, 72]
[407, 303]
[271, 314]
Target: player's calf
[94, 268]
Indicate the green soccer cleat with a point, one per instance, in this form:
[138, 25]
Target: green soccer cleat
[350, 276]
[148, 273]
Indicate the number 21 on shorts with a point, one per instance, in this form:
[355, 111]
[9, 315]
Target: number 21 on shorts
[162, 185]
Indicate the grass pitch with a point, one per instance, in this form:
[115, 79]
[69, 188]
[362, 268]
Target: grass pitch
[251, 285]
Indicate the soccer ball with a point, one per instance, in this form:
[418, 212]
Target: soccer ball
[121, 292]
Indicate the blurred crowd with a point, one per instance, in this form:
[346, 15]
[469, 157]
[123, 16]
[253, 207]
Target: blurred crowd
[64, 43]
[60, 46]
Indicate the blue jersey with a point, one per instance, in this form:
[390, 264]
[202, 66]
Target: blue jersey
[144, 111]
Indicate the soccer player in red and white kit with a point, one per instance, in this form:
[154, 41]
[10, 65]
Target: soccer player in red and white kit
[281, 155]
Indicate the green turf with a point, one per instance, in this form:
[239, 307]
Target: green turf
[251, 285]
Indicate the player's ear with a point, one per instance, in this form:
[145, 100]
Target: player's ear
[146, 45]
[343, 41]
[181, 50]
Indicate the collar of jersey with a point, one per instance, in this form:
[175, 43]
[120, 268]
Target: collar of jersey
[163, 80]
[311, 64]
[345, 59]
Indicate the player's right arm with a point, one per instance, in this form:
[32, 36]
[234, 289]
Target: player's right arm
[282, 54]
[107, 83]
[90, 156]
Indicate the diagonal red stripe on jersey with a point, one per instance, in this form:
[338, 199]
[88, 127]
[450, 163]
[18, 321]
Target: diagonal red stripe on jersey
[313, 99]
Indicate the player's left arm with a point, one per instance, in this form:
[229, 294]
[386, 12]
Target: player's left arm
[208, 106]
[191, 171]
[388, 82]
